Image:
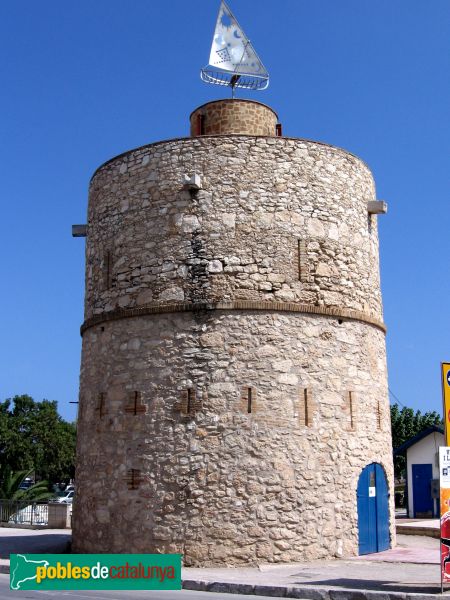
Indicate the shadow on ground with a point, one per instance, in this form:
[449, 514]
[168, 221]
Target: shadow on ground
[49, 543]
[375, 584]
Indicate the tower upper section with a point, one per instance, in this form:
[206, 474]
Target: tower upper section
[236, 217]
[223, 117]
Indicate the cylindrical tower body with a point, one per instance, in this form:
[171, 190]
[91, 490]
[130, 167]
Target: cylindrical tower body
[233, 377]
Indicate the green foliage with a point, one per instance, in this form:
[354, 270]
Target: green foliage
[10, 488]
[34, 437]
[10, 493]
[406, 424]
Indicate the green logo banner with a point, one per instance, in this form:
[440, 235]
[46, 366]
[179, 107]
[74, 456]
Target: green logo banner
[95, 572]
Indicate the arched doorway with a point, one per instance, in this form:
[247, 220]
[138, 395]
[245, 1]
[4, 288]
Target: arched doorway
[373, 510]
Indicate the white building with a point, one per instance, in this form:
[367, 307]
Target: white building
[422, 467]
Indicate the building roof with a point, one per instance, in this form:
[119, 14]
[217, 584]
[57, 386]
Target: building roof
[417, 438]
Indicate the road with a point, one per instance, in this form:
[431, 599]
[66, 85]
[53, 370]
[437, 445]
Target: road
[7, 594]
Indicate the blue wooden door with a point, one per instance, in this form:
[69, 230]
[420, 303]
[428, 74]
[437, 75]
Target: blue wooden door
[422, 500]
[373, 510]
[382, 497]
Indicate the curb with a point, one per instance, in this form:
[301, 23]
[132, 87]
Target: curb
[426, 531]
[305, 593]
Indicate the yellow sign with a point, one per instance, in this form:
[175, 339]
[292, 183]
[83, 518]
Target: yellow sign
[446, 397]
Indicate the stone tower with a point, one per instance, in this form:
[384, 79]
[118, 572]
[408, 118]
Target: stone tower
[233, 377]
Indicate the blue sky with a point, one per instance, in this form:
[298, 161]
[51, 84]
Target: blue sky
[84, 81]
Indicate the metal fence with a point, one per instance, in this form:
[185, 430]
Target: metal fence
[13, 512]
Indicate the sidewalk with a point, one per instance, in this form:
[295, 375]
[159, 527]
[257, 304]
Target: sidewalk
[31, 541]
[408, 572]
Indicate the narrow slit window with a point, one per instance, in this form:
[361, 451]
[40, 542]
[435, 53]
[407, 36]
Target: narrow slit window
[101, 405]
[305, 408]
[378, 415]
[249, 400]
[190, 401]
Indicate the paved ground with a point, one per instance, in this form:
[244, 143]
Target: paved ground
[15, 541]
[412, 567]
[409, 570]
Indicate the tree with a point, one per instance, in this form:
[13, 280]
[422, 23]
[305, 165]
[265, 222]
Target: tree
[10, 488]
[11, 494]
[406, 424]
[33, 436]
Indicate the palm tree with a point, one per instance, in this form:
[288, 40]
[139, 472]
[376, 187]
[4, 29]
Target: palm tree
[12, 497]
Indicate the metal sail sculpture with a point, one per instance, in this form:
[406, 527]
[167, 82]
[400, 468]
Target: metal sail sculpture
[233, 60]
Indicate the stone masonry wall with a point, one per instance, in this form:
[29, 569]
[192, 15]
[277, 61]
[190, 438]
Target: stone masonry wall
[233, 116]
[221, 485]
[233, 379]
[277, 220]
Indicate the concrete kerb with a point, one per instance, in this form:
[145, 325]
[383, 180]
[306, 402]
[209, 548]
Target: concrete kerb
[305, 593]
[427, 531]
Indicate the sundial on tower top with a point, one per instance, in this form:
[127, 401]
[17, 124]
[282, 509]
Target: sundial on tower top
[233, 61]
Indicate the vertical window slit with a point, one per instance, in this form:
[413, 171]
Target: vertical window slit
[190, 401]
[101, 404]
[305, 404]
[306, 408]
[249, 400]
